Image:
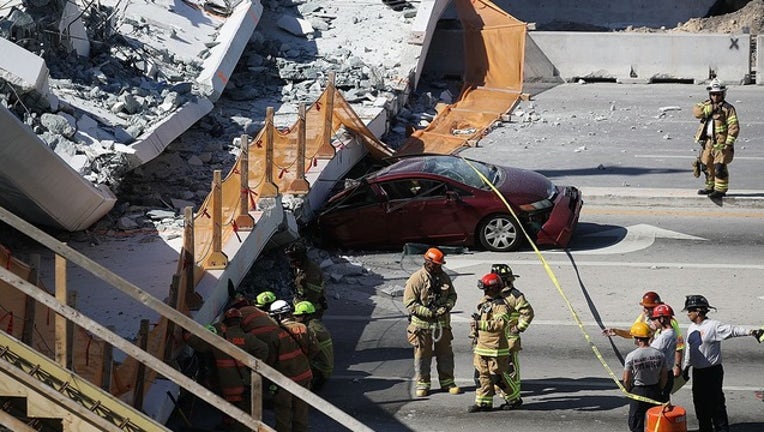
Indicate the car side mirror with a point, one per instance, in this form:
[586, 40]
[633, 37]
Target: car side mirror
[452, 196]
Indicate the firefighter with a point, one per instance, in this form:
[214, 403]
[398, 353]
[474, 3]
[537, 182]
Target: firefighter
[323, 363]
[665, 342]
[520, 317]
[718, 130]
[308, 278]
[233, 376]
[291, 411]
[704, 354]
[429, 297]
[644, 374]
[491, 347]
[650, 300]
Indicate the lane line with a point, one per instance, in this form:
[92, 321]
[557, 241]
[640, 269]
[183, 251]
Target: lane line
[754, 158]
[573, 382]
[455, 263]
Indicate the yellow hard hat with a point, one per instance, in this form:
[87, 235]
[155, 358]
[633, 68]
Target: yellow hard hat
[640, 330]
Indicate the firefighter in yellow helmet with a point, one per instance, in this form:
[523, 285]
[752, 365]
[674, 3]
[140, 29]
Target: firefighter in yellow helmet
[323, 363]
[491, 349]
[644, 374]
[718, 130]
[429, 297]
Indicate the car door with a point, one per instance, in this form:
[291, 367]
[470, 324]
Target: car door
[357, 219]
[428, 210]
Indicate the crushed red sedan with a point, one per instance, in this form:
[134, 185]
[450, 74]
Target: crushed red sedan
[441, 200]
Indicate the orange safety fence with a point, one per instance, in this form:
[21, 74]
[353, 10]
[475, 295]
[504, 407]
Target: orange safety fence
[283, 173]
[494, 51]
[86, 351]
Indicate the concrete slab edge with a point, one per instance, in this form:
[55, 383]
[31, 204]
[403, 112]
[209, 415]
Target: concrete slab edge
[233, 38]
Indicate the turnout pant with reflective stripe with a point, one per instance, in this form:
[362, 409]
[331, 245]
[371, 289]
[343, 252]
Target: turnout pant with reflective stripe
[491, 373]
[424, 349]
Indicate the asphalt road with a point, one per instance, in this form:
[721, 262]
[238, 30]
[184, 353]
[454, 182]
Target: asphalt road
[617, 255]
[614, 135]
[594, 135]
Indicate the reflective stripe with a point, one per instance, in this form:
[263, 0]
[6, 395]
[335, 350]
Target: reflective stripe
[491, 352]
[290, 355]
[307, 375]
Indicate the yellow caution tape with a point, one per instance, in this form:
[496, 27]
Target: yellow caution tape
[556, 283]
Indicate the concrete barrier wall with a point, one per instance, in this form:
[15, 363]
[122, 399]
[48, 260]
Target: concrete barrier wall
[644, 57]
[623, 57]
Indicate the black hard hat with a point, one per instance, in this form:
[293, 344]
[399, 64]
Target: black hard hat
[696, 301]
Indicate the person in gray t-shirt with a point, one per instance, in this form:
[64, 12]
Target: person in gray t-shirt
[665, 342]
[644, 374]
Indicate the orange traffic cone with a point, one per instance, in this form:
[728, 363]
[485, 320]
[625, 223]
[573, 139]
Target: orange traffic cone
[666, 418]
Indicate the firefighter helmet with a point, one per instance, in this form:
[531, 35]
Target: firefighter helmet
[280, 307]
[716, 86]
[696, 301]
[265, 298]
[640, 329]
[662, 310]
[491, 280]
[304, 308]
[435, 255]
[505, 272]
[651, 299]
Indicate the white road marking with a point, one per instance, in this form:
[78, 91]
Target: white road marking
[692, 156]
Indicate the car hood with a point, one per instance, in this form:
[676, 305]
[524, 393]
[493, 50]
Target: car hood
[522, 186]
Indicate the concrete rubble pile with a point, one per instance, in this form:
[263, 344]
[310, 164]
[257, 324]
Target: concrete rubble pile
[105, 89]
[286, 62]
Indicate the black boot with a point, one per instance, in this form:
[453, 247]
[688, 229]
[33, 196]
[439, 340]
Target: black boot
[479, 408]
[716, 194]
[704, 191]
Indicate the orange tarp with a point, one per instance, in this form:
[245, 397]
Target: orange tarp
[494, 50]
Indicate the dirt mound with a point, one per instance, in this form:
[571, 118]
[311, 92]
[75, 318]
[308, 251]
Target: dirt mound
[749, 19]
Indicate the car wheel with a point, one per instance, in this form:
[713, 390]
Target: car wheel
[500, 233]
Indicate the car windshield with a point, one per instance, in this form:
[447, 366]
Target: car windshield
[460, 170]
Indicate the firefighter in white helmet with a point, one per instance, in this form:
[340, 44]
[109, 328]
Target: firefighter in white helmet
[718, 130]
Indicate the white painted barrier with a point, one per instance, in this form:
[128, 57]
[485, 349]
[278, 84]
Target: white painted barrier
[646, 57]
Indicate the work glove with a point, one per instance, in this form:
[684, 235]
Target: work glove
[424, 312]
[758, 334]
[441, 311]
[476, 316]
[686, 373]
